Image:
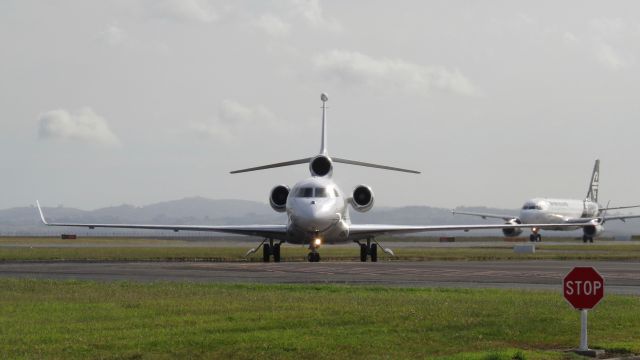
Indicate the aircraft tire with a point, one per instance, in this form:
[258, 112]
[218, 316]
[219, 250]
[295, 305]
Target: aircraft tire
[538, 238]
[313, 257]
[266, 252]
[374, 252]
[584, 239]
[363, 252]
[276, 253]
[532, 238]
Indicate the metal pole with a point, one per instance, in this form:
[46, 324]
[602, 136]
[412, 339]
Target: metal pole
[583, 330]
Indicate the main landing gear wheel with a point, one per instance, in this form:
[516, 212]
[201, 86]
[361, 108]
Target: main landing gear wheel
[276, 252]
[370, 250]
[313, 257]
[586, 239]
[535, 238]
[266, 252]
[270, 249]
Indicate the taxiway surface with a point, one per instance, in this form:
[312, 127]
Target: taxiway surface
[620, 277]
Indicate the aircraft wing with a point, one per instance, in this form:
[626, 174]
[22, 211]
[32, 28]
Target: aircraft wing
[485, 216]
[278, 232]
[621, 217]
[619, 207]
[600, 220]
[357, 231]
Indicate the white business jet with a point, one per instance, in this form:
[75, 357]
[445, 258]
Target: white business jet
[562, 212]
[317, 212]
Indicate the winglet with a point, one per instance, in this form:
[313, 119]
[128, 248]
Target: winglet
[41, 214]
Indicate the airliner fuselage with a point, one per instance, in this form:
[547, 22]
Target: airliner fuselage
[557, 211]
[317, 211]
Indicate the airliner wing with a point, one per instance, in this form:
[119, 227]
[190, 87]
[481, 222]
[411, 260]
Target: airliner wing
[621, 217]
[357, 231]
[485, 216]
[619, 207]
[278, 232]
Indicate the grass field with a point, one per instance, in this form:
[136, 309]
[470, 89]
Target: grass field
[122, 249]
[122, 320]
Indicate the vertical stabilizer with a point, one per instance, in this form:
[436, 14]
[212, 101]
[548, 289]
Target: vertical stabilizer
[323, 141]
[592, 194]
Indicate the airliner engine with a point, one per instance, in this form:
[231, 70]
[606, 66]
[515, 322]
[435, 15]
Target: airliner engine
[362, 198]
[278, 198]
[592, 231]
[512, 232]
[321, 166]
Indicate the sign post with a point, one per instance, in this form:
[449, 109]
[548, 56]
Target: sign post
[583, 288]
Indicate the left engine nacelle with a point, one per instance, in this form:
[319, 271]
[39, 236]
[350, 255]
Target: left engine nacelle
[512, 232]
[278, 198]
[592, 230]
[362, 198]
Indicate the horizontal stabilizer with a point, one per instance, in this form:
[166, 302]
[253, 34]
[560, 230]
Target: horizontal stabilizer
[271, 166]
[360, 163]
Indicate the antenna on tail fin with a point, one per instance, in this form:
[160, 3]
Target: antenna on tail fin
[592, 194]
[323, 141]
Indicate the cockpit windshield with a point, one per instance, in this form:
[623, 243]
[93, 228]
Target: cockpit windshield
[531, 206]
[321, 192]
[305, 192]
[318, 192]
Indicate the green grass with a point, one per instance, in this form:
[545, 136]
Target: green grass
[139, 252]
[124, 320]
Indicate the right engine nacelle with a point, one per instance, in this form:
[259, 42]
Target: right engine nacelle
[592, 230]
[278, 198]
[362, 198]
[512, 232]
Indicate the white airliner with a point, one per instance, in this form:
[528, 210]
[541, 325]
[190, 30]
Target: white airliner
[317, 212]
[562, 211]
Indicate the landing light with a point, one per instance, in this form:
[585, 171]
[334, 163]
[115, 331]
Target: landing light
[317, 242]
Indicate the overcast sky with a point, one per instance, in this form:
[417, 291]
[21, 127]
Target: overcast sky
[140, 101]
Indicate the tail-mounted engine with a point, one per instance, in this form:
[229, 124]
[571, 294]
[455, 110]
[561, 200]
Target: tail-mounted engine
[512, 232]
[592, 230]
[321, 166]
[362, 198]
[278, 198]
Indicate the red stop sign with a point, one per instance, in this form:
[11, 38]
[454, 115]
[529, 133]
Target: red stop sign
[583, 287]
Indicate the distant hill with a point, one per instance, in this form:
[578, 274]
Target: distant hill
[202, 211]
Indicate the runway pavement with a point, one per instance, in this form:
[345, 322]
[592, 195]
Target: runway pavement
[620, 277]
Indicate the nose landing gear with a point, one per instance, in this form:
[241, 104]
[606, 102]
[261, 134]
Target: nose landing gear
[535, 236]
[314, 256]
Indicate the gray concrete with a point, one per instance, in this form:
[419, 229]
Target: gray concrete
[620, 277]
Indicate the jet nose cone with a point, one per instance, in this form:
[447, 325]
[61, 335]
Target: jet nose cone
[315, 217]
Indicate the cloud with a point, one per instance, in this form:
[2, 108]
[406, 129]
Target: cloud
[113, 35]
[235, 119]
[311, 12]
[272, 25]
[83, 125]
[569, 37]
[608, 27]
[185, 10]
[609, 57]
[393, 74]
